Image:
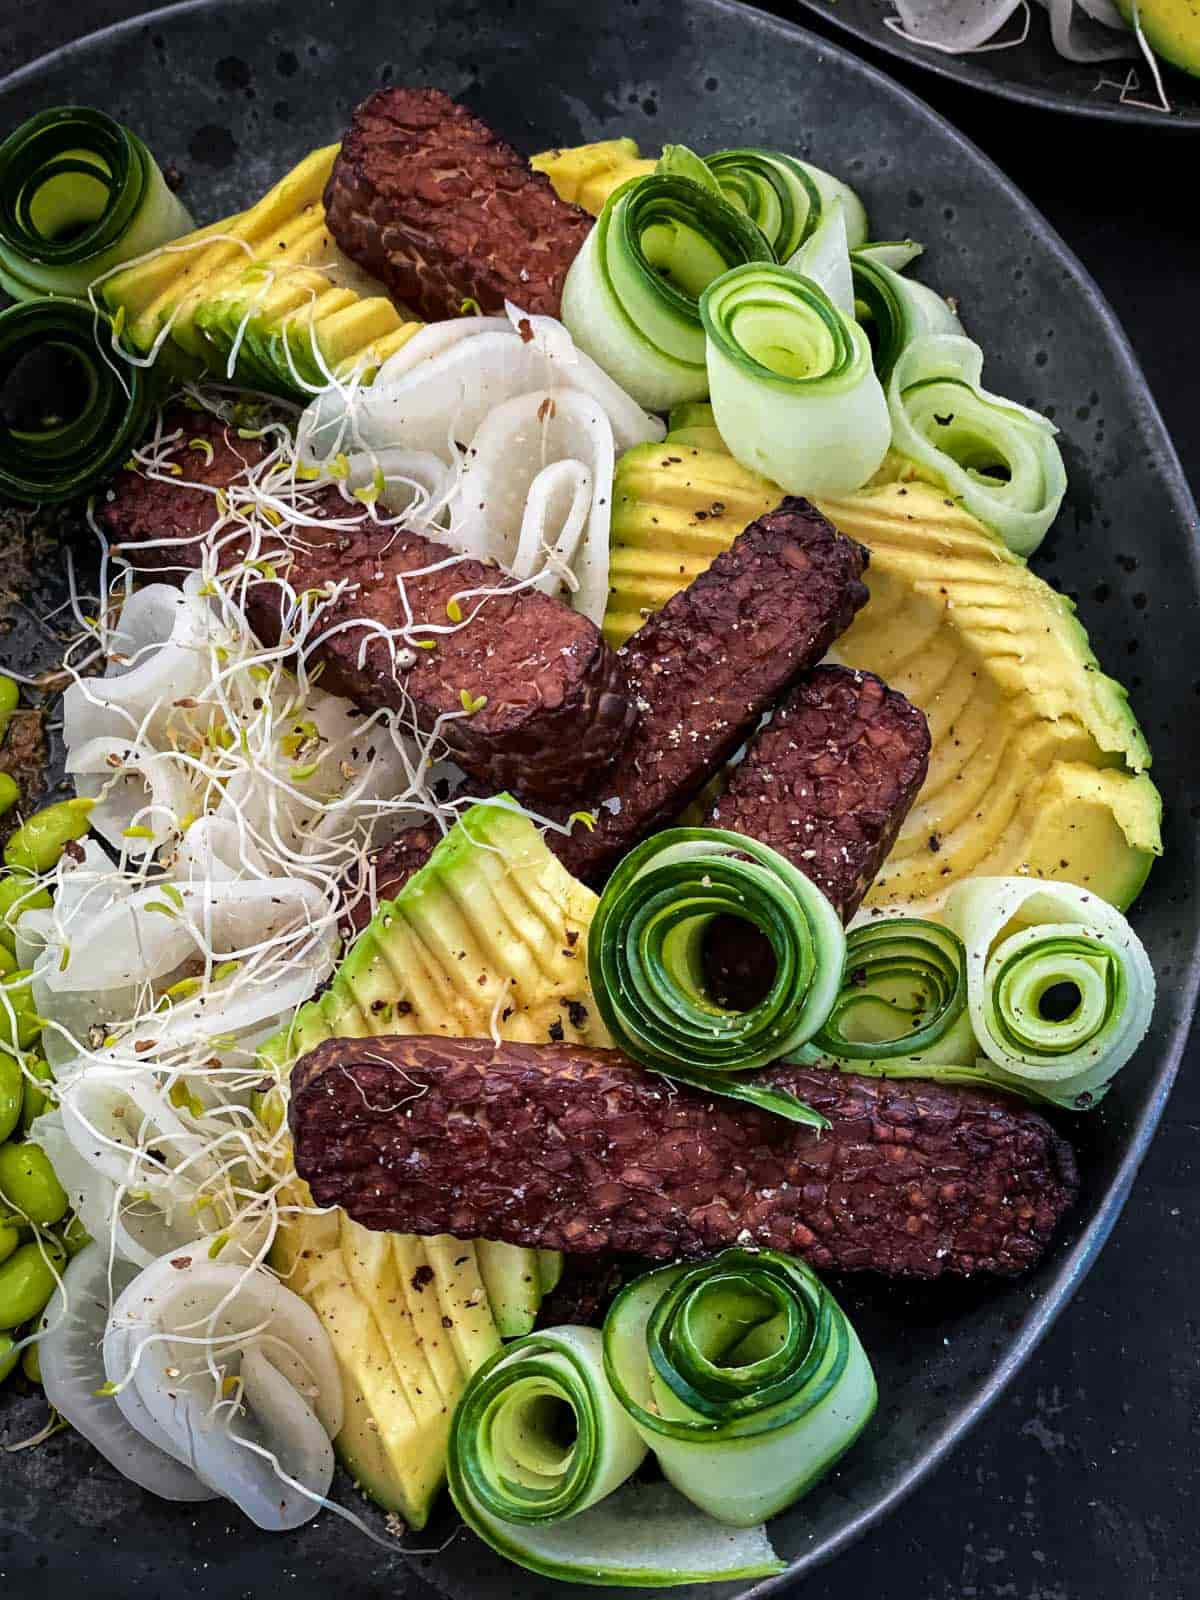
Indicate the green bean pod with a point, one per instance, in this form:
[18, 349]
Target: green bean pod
[40, 841]
[20, 1024]
[26, 1283]
[29, 1183]
[19, 893]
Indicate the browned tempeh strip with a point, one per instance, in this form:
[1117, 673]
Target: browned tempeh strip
[556, 707]
[830, 779]
[559, 1146]
[703, 670]
[438, 207]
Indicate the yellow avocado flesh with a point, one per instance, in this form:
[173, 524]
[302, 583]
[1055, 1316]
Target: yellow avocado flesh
[1171, 27]
[1038, 765]
[491, 932]
[588, 173]
[277, 265]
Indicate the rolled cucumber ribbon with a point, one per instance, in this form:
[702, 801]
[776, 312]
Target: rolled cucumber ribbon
[646, 961]
[998, 459]
[630, 297]
[895, 310]
[67, 417]
[538, 1445]
[903, 998]
[743, 1375]
[786, 198]
[1060, 988]
[79, 195]
[793, 388]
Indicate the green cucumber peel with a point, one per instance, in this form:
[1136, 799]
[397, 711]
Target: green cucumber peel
[743, 1375]
[895, 310]
[1000, 461]
[79, 196]
[794, 391]
[904, 996]
[1026, 939]
[81, 426]
[631, 297]
[556, 1500]
[645, 961]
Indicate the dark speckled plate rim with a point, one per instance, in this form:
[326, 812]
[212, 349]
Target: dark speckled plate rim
[960, 70]
[1073, 1267]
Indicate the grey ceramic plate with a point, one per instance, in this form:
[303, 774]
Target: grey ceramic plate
[1032, 73]
[236, 92]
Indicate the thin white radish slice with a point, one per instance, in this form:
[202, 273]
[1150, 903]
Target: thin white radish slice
[72, 1368]
[507, 509]
[133, 786]
[237, 1372]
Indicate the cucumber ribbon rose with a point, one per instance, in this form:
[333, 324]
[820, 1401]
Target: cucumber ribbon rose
[646, 961]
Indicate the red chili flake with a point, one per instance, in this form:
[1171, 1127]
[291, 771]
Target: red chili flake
[525, 329]
[180, 1262]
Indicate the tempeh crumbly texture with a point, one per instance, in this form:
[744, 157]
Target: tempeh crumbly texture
[829, 781]
[440, 209]
[552, 704]
[705, 668]
[702, 671]
[581, 1150]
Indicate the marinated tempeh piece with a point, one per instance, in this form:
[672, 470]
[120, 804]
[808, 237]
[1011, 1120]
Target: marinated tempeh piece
[830, 779]
[580, 1150]
[828, 783]
[555, 705]
[703, 670]
[439, 208]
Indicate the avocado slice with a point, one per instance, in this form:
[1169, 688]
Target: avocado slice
[491, 931]
[513, 1280]
[550, 1269]
[588, 173]
[1171, 29]
[693, 422]
[1038, 764]
[171, 284]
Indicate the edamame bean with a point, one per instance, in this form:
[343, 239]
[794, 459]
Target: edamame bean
[26, 1284]
[33, 1100]
[30, 1185]
[31, 1365]
[8, 1355]
[38, 842]
[73, 1236]
[12, 1091]
[10, 1238]
[10, 696]
[19, 1022]
[18, 894]
[10, 792]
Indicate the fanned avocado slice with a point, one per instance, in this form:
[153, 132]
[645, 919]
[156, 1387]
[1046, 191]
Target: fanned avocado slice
[491, 932]
[1038, 766]
[588, 173]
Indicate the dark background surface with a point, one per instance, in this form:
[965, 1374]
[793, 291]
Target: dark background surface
[1082, 1483]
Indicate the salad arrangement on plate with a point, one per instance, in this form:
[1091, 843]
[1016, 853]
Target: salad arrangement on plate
[586, 820]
